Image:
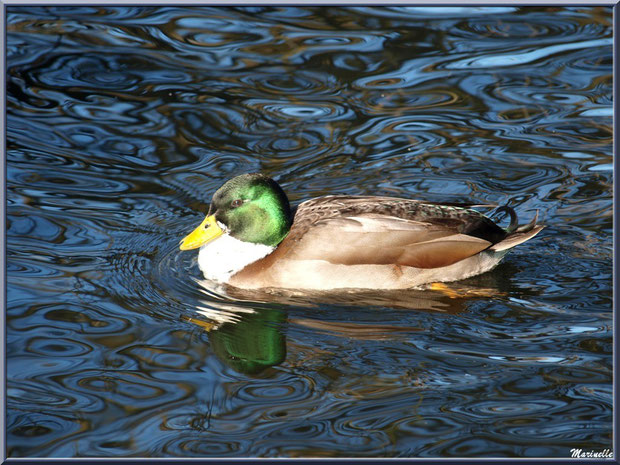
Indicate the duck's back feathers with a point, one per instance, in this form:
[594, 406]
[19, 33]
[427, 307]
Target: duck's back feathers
[456, 217]
[371, 239]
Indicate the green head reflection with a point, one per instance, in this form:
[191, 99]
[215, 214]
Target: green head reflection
[253, 343]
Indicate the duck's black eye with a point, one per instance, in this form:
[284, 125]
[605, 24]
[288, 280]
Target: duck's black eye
[236, 203]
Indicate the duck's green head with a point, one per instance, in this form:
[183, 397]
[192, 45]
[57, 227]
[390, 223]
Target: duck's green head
[251, 208]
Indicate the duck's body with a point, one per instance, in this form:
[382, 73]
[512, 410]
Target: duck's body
[253, 240]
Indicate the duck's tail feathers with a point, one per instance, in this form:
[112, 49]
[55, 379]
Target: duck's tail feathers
[514, 221]
[529, 226]
[517, 234]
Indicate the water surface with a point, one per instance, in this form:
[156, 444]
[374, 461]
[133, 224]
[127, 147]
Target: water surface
[121, 123]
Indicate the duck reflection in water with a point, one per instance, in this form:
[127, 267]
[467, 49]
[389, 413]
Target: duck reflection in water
[248, 341]
[251, 337]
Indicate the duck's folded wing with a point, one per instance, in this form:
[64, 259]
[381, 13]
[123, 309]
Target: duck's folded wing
[382, 240]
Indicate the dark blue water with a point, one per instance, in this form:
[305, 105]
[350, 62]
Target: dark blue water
[121, 123]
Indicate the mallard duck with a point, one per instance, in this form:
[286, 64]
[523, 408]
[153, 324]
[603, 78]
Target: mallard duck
[251, 238]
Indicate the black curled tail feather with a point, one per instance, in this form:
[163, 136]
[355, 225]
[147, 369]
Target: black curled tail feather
[528, 227]
[514, 220]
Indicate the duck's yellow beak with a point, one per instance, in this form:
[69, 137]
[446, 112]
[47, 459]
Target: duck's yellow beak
[207, 231]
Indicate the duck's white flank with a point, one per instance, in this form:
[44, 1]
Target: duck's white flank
[223, 257]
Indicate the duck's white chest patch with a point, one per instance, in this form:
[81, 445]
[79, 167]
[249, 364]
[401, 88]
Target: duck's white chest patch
[220, 259]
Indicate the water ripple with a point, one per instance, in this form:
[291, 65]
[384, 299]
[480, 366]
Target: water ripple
[512, 59]
[279, 81]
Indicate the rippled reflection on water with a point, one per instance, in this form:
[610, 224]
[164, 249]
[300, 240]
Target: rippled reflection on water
[122, 121]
